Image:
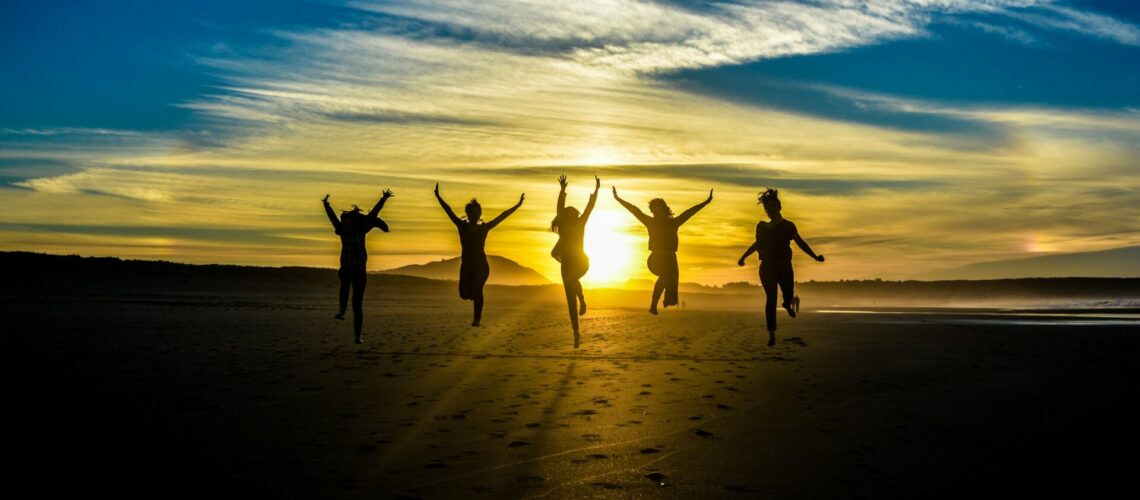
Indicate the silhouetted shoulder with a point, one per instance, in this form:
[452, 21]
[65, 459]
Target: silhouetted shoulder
[790, 227]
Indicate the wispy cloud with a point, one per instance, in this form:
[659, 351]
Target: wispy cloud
[1085, 23]
[467, 92]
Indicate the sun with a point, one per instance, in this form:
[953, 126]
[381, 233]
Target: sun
[609, 247]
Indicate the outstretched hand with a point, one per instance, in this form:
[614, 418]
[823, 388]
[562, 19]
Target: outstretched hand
[388, 193]
[615, 192]
[325, 199]
[740, 262]
[597, 183]
[710, 196]
[819, 258]
[437, 189]
[562, 181]
[521, 198]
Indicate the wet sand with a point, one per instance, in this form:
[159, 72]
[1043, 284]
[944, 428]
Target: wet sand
[265, 394]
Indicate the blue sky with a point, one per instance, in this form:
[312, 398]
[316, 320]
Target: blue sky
[126, 63]
[128, 106]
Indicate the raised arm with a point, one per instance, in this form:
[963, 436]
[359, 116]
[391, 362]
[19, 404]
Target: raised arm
[593, 200]
[561, 195]
[375, 212]
[687, 214]
[332, 215]
[632, 209]
[447, 208]
[807, 249]
[506, 213]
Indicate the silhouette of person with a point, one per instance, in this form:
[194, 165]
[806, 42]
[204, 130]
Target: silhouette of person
[571, 228]
[663, 242]
[352, 227]
[473, 267]
[773, 244]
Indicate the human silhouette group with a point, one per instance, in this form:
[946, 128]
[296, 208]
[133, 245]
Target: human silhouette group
[772, 243]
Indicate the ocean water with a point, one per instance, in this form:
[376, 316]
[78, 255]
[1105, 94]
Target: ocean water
[1075, 316]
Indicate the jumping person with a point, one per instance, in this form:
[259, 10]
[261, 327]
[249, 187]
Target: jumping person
[662, 227]
[352, 227]
[773, 243]
[473, 268]
[571, 228]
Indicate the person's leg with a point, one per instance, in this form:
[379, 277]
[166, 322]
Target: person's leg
[571, 304]
[658, 288]
[480, 279]
[581, 271]
[570, 288]
[478, 299]
[464, 281]
[787, 280]
[358, 285]
[768, 282]
[345, 282]
[672, 279]
[581, 298]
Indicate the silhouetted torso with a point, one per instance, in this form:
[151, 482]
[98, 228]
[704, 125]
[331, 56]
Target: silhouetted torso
[353, 251]
[662, 234]
[571, 238]
[473, 239]
[775, 239]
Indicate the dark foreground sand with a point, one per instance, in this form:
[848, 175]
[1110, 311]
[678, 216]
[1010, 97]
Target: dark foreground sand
[164, 396]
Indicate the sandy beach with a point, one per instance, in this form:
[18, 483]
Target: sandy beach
[265, 394]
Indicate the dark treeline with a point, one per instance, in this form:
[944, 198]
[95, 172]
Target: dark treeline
[40, 273]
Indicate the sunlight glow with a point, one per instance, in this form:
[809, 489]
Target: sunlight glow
[610, 248]
[601, 156]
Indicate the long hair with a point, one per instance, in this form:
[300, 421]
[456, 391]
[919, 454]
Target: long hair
[557, 220]
[657, 205]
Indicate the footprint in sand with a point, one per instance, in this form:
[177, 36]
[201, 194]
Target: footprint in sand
[606, 486]
[591, 437]
[516, 444]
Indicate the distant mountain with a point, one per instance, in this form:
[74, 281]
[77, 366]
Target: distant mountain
[1115, 263]
[504, 271]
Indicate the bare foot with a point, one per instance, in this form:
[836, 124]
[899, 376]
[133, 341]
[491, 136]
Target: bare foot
[577, 339]
[581, 308]
[339, 316]
[771, 338]
[359, 339]
[791, 311]
[474, 323]
[653, 310]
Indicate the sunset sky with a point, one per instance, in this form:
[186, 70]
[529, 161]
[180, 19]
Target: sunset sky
[905, 136]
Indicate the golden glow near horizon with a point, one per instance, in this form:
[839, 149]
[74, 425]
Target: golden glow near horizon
[350, 110]
[611, 248]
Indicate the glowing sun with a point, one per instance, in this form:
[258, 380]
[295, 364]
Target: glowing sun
[610, 248]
